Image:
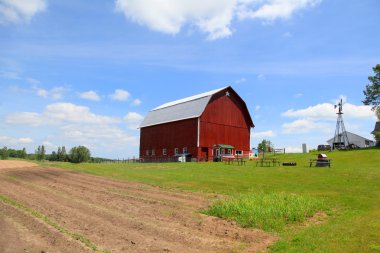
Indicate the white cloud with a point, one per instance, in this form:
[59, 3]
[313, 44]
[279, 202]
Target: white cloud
[303, 126]
[264, 134]
[55, 93]
[42, 93]
[326, 111]
[49, 145]
[213, 17]
[7, 141]
[120, 95]
[271, 10]
[257, 108]
[133, 117]
[298, 95]
[58, 113]
[89, 95]
[18, 11]
[133, 120]
[136, 102]
[72, 125]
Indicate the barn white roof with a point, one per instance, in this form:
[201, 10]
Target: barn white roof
[186, 108]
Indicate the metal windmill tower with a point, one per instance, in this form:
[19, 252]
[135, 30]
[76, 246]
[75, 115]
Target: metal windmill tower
[340, 138]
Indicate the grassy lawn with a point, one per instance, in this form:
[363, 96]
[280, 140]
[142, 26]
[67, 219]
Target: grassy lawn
[349, 193]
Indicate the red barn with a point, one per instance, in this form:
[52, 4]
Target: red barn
[214, 123]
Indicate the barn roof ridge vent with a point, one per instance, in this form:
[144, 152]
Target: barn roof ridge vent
[188, 99]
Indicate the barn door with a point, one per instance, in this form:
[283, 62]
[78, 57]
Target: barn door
[205, 153]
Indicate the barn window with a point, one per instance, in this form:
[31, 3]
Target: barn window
[176, 151]
[222, 151]
[147, 152]
[239, 152]
[164, 151]
[184, 150]
[153, 152]
[229, 151]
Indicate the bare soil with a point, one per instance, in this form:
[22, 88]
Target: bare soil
[116, 216]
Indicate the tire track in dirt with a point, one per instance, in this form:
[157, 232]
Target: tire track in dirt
[127, 217]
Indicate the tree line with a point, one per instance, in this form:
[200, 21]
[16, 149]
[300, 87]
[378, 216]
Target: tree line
[75, 155]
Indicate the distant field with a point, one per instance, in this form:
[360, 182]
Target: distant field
[348, 195]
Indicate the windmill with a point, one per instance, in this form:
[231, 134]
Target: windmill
[340, 138]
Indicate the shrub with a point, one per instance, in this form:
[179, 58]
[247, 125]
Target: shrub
[79, 154]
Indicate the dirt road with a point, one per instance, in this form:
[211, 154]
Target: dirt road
[54, 210]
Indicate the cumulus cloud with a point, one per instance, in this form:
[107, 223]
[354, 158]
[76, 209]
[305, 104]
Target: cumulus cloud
[89, 95]
[133, 117]
[271, 10]
[6, 140]
[136, 102]
[102, 134]
[133, 120]
[327, 111]
[58, 113]
[72, 125]
[322, 117]
[213, 17]
[263, 134]
[18, 11]
[120, 95]
[55, 93]
[302, 126]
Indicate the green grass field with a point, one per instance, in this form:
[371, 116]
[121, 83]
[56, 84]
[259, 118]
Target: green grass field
[280, 199]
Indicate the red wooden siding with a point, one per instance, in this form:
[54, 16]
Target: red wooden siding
[178, 134]
[225, 122]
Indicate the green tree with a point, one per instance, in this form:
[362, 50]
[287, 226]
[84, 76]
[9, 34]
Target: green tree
[79, 154]
[372, 91]
[24, 155]
[53, 156]
[378, 112]
[40, 153]
[4, 153]
[61, 154]
[265, 146]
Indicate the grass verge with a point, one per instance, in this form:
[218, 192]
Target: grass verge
[267, 211]
[47, 220]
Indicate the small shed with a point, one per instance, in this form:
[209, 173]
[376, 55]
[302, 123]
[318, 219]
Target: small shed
[355, 140]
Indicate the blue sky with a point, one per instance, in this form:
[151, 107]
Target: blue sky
[80, 73]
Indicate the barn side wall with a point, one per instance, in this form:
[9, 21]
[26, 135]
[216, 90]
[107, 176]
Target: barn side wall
[168, 136]
[224, 122]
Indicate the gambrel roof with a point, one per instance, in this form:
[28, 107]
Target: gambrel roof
[186, 108]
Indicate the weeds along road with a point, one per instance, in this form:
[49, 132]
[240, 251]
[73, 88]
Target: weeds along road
[55, 210]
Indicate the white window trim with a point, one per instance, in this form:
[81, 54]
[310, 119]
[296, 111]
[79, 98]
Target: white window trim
[164, 151]
[147, 152]
[184, 150]
[176, 151]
